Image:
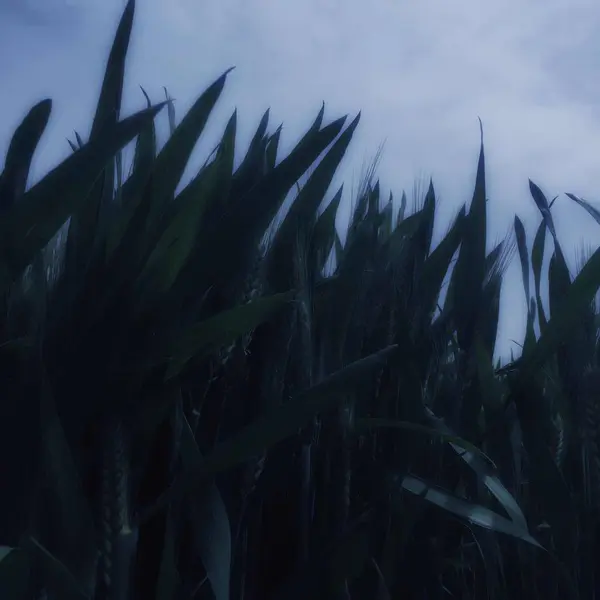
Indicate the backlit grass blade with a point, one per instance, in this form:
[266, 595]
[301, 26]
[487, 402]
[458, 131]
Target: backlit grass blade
[208, 189]
[324, 232]
[470, 266]
[421, 242]
[561, 324]
[170, 112]
[561, 279]
[178, 239]
[17, 164]
[109, 102]
[524, 259]
[543, 206]
[84, 227]
[402, 210]
[143, 157]
[255, 154]
[133, 189]
[473, 513]
[174, 156]
[386, 226]
[148, 102]
[305, 143]
[338, 247]
[271, 151]
[119, 174]
[492, 259]
[140, 228]
[43, 209]
[304, 208]
[374, 200]
[316, 126]
[523, 255]
[537, 257]
[249, 217]
[277, 425]
[594, 212]
[164, 170]
[489, 313]
[309, 199]
[437, 264]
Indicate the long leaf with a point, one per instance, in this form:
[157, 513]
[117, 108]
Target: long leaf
[20, 153]
[276, 426]
[43, 209]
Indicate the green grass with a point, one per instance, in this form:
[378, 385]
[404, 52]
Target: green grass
[200, 404]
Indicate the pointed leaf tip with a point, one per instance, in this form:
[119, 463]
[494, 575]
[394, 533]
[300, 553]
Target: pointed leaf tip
[146, 96]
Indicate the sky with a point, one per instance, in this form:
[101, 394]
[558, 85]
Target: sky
[421, 73]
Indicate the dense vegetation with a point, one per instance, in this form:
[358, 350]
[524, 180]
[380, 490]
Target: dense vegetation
[199, 403]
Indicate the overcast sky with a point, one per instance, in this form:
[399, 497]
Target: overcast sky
[421, 72]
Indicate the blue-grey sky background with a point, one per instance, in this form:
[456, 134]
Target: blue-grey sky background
[420, 72]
